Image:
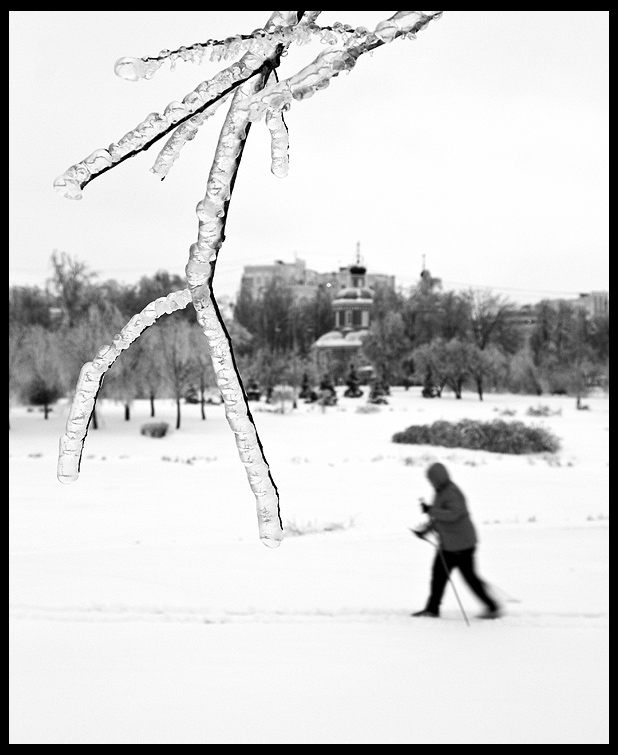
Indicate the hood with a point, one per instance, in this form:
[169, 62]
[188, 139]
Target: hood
[438, 476]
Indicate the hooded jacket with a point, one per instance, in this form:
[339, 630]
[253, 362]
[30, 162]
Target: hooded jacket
[449, 513]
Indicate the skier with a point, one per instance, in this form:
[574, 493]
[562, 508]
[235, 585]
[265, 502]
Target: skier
[457, 540]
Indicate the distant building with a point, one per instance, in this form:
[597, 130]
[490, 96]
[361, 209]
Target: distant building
[257, 278]
[303, 281]
[524, 318]
[596, 303]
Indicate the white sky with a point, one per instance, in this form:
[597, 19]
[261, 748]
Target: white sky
[482, 145]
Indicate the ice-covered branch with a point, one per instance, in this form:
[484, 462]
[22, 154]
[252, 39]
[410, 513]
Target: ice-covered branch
[198, 105]
[154, 127]
[92, 374]
[260, 41]
[212, 216]
[330, 63]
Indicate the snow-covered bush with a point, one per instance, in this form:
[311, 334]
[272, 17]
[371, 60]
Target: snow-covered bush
[496, 436]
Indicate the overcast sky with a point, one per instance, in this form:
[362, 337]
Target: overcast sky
[482, 145]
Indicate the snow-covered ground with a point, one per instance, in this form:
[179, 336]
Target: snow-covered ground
[144, 608]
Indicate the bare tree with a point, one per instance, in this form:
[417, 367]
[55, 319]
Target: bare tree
[72, 284]
[83, 340]
[45, 383]
[430, 366]
[202, 371]
[457, 366]
[484, 365]
[489, 316]
[17, 358]
[151, 374]
[386, 346]
[179, 364]
[123, 381]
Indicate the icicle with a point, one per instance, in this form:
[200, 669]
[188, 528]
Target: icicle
[91, 376]
[130, 69]
[279, 143]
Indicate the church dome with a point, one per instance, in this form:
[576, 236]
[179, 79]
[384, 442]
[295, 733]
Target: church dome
[354, 293]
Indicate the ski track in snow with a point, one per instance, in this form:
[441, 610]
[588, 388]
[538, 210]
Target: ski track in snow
[155, 614]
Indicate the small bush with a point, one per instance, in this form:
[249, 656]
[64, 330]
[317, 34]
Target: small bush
[506, 412]
[496, 436]
[367, 409]
[155, 429]
[542, 411]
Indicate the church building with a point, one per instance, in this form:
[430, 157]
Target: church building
[336, 350]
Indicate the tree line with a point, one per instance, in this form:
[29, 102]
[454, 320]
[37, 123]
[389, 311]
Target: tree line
[426, 337]
[476, 339]
[53, 332]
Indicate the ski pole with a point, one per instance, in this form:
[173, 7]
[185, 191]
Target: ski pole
[448, 576]
[446, 571]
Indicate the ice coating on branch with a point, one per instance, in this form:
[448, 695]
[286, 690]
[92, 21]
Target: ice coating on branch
[241, 424]
[184, 133]
[301, 86]
[68, 187]
[405, 23]
[260, 42]
[92, 374]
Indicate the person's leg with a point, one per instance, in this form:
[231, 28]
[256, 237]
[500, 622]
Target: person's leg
[439, 578]
[465, 563]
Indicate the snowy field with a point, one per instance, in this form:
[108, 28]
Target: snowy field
[145, 610]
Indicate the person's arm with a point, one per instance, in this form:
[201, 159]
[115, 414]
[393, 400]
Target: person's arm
[452, 506]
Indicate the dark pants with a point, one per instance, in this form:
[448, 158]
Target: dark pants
[464, 561]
